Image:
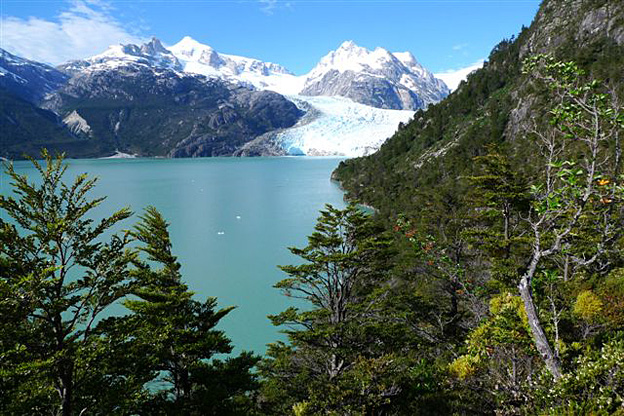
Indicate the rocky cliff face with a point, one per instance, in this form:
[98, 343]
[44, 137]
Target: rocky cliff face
[575, 24]
[154, 111]
[377, 78]
[77, 125]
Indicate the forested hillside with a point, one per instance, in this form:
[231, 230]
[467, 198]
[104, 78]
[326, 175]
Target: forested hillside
[425, 160]
[506, 203]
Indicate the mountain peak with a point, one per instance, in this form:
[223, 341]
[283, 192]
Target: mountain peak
[350, 48]
[343, 72]
[406, 58]
[28, 79]
[188, 42]
[351, 57]
[348, 44]
[150, 54]
[198, 58]
[188, 39]
[153, 47]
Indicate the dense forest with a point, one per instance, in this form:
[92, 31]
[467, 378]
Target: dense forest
[489, 280]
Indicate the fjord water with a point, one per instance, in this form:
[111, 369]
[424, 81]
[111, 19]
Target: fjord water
[232, 220]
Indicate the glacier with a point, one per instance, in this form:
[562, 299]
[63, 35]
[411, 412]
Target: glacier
[333, 125]
[337, 126]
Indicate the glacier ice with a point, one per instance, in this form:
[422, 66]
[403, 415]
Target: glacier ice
[339, 127]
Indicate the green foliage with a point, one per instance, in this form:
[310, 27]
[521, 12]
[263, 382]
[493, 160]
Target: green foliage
[499, 353]
[446, 274]
[508, 326]
[425, 158]
[178, 334]
[500, 198]
[58, 275]
[514, 163]
[25, 128]
[464, 366]
[595, 387]
[476, 179]
[60, 271]
[588, 306]
[611, 293]
[348, 352]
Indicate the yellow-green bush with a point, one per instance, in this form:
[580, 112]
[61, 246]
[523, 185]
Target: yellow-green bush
[588, 306]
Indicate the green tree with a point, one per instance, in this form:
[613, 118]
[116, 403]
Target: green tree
[575, 202]
[498, 199]
[343, 257]
[59, 273]
[346, 356]
[178, 334]
[594, 388]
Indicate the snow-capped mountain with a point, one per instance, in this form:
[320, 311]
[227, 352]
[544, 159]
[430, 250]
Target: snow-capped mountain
[202, 59]
[191, 57]
[378, 78]
[362, 91]
[137, 99]
[152, 54]
[28, 79]
[134, 99]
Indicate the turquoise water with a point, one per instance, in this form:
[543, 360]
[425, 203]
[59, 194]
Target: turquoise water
[232, 220]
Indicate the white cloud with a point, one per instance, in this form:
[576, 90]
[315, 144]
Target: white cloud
[268, 6]
[86, 28]
[460, 46]
[452, 78]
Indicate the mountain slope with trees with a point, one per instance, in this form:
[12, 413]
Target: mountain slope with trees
[494, 106]
[158, 112]
[510, 192]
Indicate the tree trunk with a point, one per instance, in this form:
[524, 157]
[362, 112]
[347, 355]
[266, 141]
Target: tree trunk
[539, 337]
[185, 384]
[67, 386]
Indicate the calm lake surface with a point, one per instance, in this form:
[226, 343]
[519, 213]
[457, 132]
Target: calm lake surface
[232, 220]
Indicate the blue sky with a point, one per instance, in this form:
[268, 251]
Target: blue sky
[444, 35]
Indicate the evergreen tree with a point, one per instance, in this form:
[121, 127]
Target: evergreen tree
[498, 201]
[343, 257]
[58, 277]
[58, 274]
[178, 334]
[345, 354]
